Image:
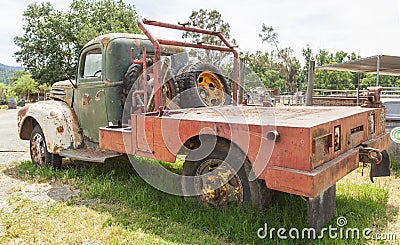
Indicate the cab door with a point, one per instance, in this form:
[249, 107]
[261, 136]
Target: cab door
[90, 96]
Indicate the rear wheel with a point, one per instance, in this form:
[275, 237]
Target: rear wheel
[218, 170]
[38, 150]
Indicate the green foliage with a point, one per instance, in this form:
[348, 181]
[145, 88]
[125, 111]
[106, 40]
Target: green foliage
[52, 39]
[44, 87]
[263, 66]
[368, 80]
[89, 19]
[334, 79]
[210, 20]
[278, 68]
[329, 79]
[24, 85]
[269, 35]
[3, 87]
[17, 75]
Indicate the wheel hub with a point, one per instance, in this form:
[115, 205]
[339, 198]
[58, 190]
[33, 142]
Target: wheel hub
[211, 89]
[38, 150]
[221, 186]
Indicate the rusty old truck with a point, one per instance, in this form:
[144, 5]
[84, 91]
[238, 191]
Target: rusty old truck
[141, 95]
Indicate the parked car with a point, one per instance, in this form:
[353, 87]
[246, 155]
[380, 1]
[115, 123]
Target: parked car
[392, 121]
[12, 103]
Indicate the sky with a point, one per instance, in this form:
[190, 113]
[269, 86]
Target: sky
[366, 27]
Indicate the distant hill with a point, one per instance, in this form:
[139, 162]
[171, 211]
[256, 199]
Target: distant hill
[7, 71]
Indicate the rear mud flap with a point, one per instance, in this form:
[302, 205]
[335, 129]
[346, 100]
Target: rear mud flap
[322, 208]
[381, 169]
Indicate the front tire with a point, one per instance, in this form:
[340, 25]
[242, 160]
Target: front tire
[38, 150]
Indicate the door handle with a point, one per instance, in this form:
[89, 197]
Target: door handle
[97, 96]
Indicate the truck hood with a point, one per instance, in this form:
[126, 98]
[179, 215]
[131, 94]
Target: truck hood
[62, 90]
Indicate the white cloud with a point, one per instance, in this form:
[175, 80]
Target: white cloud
[366, 27]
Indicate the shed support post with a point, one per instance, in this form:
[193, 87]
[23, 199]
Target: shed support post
[378, 64]
[310, 85]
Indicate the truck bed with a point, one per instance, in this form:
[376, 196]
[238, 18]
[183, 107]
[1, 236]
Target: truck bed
[314, 146]
[291, 116]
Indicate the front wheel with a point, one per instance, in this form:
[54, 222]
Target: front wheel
[38, 150]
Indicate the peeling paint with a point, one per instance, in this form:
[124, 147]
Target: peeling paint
[58, 122]
[106, 38]
[57, 148]
[105, 41]
[53, 114]
[86, 99]
[22, 114]
[60, 129]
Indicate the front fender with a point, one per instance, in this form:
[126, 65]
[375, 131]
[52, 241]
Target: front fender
[57, 120]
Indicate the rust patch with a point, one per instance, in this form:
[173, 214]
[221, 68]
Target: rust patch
[22, 111]
[60, 129]
[53, 114]
[56, 149]
[21, 114]
[86, 99]
[105, 41]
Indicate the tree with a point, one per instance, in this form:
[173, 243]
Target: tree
[210, 20]
[262, 64]
[334, 79]
[17, 75]
[44, 88]
[52, 39]
[285, 61]
[269, 35]
[24, 86]
[369, 80]
[89, 19]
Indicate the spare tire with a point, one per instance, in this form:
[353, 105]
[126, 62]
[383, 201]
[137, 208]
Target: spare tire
[202, 84]
[132, 83]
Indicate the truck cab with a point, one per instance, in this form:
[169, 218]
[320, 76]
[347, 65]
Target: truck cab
[69, 122]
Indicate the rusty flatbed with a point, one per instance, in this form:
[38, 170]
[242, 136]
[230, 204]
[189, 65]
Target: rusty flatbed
[314, 148]
[293, 116]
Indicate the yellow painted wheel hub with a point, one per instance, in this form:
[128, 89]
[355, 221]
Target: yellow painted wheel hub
[210, 88]
[219, 186]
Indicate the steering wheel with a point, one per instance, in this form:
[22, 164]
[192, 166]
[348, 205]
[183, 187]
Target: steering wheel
[95, 74]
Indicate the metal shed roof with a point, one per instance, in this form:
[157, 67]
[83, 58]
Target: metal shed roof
[379, 64]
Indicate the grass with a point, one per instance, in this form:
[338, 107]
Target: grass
[395, 166]
[115, 206]
[3, 107]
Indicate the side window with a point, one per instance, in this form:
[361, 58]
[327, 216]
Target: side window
[92, 64]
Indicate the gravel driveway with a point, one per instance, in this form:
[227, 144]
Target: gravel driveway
[12, 149]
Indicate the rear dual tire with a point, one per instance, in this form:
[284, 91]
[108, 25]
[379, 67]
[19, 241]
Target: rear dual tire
[237, 190]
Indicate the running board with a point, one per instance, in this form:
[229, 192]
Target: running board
[89, 155]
